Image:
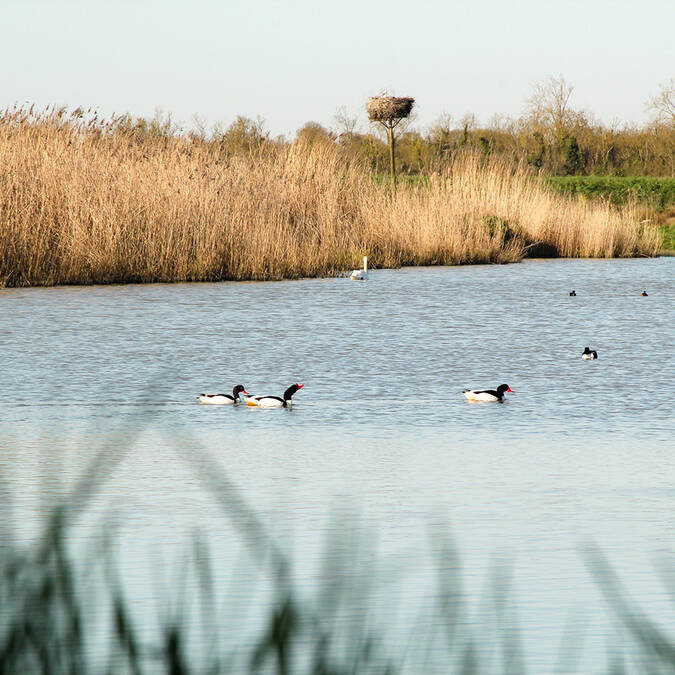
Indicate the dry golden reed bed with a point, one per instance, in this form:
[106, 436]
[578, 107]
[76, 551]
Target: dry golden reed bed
[100, 203]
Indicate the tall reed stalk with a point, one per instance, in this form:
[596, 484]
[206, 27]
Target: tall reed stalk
[101, 202]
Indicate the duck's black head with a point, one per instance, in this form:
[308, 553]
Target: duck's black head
[504, 388]
[238, 390]
[586, 350]
[291, 390]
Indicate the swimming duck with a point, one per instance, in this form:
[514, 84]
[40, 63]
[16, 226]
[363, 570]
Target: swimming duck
[644, 294]
[275, 401]
[573, 294]
[488, 394]
[588, 355]
[223, 399]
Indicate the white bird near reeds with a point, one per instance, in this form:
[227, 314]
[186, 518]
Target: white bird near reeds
[361, 275]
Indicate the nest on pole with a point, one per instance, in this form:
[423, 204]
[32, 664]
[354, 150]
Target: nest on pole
[389, 108]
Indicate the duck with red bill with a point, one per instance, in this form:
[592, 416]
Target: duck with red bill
[275, 401]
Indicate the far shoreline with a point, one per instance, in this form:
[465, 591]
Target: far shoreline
[341, 275]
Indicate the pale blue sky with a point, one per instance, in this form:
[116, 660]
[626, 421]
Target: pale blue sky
[297, 61]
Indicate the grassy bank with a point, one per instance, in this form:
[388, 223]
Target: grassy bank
[656, 193]
[103, 202]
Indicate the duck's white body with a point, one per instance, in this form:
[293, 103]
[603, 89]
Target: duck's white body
[472, 395]
[216, 399]
[266, 401]
[361, 275]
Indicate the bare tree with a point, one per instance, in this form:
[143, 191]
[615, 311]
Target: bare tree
[663, 104]
[442, 126]
[346, 123]
[199, 127]
[549, 107]
[502, 122]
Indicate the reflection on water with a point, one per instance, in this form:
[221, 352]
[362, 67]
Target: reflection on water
[581, 452]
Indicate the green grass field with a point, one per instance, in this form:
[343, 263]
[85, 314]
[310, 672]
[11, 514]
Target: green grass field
[657, 193]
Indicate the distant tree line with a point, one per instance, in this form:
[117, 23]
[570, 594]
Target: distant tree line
[550, 136]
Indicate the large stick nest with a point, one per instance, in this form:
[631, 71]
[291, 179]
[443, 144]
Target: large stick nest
[387, 108]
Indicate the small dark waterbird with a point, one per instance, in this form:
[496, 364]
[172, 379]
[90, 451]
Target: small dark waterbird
[644, 294]
[573, 294]
[589, 355]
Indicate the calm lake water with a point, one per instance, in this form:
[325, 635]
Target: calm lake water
[583, 452]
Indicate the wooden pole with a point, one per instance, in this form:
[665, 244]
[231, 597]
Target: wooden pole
[392, 157]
